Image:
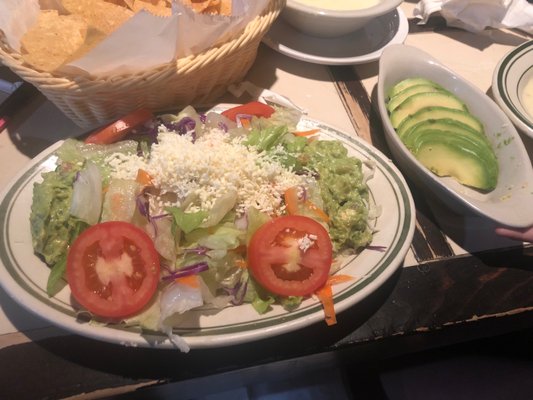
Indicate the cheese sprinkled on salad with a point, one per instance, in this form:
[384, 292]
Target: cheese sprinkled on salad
[209, 166]
[194, 210]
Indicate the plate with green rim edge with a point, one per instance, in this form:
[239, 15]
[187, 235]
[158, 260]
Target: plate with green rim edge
[23, 275]
[511, 75]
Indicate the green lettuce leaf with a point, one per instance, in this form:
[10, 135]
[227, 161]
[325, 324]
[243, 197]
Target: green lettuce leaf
[187, 222]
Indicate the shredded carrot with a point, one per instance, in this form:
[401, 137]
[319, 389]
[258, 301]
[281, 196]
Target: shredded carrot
[291, 200]
[245, 122]
[317, 210]
[306, 133]
[189, 280]
[325, 295]
[334, 279]
[144, 178]
[240, 263]
[293, 205]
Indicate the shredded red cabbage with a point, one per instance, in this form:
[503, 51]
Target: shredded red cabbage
[148, 130]
[186, 125]
[142, 205]
[164, 215]
[302, 194]
[144, 209]
[187, 271]
[238, 292]
[181, 127]
[239, 298]
[223, 126]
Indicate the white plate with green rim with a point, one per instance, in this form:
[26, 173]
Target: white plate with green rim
[512, 86]
[23, 275]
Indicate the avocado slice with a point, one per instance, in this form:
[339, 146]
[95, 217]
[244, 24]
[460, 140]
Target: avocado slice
[404, 84]
[440, 132]
[436, 113]
[457, 156]
[398, 98]
[449, 126]
[419, 101]
[468, 140]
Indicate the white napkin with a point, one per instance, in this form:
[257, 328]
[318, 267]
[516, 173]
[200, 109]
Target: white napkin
[16, 17]
[475, 16]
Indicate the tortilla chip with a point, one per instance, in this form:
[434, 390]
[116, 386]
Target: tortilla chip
[156, 7]
[212, 10]
[226, 7]
[51, 42]
[121, 3]
[219, 7]
[101, 15]
[198, 5]
[128, 3]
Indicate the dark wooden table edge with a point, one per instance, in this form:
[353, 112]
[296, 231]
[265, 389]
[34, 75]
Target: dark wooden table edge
[395, 323]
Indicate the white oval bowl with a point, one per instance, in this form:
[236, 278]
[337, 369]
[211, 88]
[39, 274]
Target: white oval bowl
[508, 83]
[323, 22]
[511, 202]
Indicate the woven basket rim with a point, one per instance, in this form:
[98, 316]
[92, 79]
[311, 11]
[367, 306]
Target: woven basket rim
[188, 64]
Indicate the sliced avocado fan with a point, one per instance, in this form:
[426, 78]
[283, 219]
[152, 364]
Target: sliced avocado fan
[397, 99]
[406, 83]
[439, 130]
[419, 101]
[449, 126]
[457, 157]
[438, 113]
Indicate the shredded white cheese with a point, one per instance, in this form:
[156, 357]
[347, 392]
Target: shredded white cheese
[205, 169]
[306, 241]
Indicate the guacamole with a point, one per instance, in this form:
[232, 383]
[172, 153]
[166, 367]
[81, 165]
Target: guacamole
[52, 226]
[343, 191]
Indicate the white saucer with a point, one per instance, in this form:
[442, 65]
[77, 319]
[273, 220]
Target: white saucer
[362, 46]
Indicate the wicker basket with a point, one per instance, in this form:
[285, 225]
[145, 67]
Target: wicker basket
[195, 80]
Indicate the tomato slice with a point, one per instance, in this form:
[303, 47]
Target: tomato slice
[113, 269]
[252, 108]
[290, 255]
[119, 129]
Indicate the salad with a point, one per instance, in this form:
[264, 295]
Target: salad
[153, 216]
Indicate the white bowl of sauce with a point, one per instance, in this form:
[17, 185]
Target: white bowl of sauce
[332, 18]
[512, 86]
